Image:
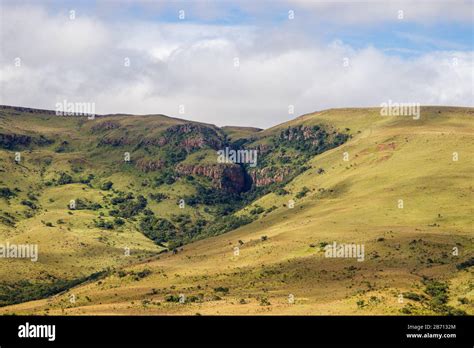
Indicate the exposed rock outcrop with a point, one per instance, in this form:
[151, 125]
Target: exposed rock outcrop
[20, 109]
[149, 165]
[116, 141]
[227, 177]
[11, 141]
[267, 176]
[192, 136]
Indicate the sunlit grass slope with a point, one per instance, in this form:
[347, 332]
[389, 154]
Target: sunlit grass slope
[400, 194]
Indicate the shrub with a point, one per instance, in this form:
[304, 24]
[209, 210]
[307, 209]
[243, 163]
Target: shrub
[158, 197]
[103, 224]
[106, 185]
[303, 192]
[221, 289]
[360, 303]
[157, 229]
[129, 208]
[142, 274]
[119, 221]
[64, 179]
[465, 264]
[257, 210]
[84, 204]
[88, 179]
[29, 204]
[413, 296]
[5, 192]
[172, 298]
[281, 191]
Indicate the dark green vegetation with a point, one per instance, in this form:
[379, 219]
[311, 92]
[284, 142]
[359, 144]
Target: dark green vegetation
[434, 298]
[26, 290]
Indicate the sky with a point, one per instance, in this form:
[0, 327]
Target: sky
[247, 63]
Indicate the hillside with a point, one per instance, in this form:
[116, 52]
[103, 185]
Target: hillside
[96, 194]
[332, 176]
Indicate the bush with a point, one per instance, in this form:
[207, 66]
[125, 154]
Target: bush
[64, 179]
[29, 204]
[157, 229]
[119, 221]
[465, 264]
[165, 178]
[435, 288]
[5, 192]
[142, 274]
[103, 224]
[172, 298]
[106, 185]
[360, 304]
[303, 192]
[84, 204]
[129, 208]
[158, 197]
[257, 210]
[88, 179]
[281, 191]
[222, 289]
[413, 296]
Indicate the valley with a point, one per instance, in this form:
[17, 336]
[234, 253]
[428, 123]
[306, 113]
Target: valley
[170, 230]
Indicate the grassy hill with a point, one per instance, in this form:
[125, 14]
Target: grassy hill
[391, 185]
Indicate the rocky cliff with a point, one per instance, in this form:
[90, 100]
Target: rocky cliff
[227, 177]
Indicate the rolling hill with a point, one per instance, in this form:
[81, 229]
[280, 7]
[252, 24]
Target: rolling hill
[246, 240]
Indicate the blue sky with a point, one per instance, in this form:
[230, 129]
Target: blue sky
[444, 33]
[424, 56]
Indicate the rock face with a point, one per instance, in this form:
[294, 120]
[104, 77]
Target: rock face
[149, 165]
[116, 141]
[300, 133]
[227, 177]
[11, 141]
[192, 136]
[267, 176]
[188, 136]
[20, 109]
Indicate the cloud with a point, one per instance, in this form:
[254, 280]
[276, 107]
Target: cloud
[194, 65]
[375, 11]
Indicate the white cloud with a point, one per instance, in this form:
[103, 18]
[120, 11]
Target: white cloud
[193, 65]
[376, 11]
